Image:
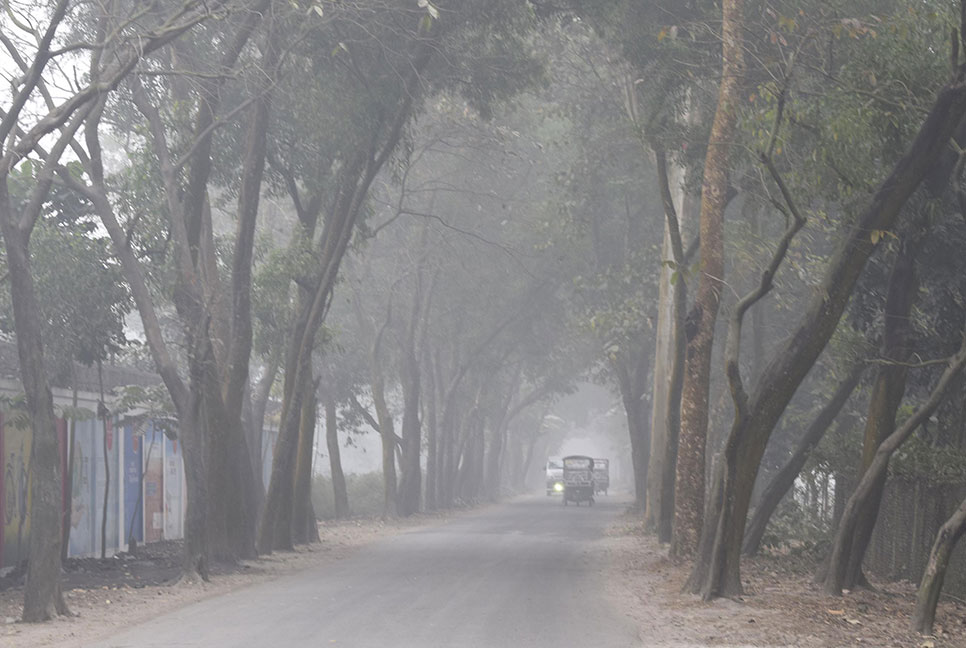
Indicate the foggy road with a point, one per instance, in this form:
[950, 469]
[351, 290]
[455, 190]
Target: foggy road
[525, 573]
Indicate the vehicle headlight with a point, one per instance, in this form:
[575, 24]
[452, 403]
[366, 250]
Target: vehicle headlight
[558, 487]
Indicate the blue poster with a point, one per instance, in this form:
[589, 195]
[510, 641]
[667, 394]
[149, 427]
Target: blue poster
[133, 509]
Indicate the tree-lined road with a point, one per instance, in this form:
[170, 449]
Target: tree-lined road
[527, 573]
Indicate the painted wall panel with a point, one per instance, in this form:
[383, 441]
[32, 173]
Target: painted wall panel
[173, 501]
[83, 490]
[3, 498]
[153, 485]
[16, 504]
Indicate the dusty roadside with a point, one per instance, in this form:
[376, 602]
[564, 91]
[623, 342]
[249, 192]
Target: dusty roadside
[781, 606]
[104, 598]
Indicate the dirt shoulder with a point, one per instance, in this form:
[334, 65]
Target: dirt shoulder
[781, 606]
[106, 595]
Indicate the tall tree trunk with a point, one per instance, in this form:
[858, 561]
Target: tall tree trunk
[663, 359]
[387, 431]
[664, 516]
[410, 483]
[259, 403]
[689, 483]
[302, 516]
[340, 493]
[196, 551]
[43, 598]
[275, 530]
[782, 481]
[637, 429]
[792, 360]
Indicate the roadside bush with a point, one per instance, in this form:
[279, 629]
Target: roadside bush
[365, 495]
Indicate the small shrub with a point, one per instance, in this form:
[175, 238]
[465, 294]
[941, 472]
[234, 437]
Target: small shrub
[365, 493]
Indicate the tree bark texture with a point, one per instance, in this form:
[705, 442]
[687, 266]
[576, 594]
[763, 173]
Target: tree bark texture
[689, 483]
[665, 501]
[303, 518]
[663, 360]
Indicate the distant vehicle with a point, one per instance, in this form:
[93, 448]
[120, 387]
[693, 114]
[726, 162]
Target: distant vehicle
[578, 476]
[555, 483]
[601, 475]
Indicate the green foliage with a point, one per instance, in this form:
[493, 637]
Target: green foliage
[82, 294]
[140, 405]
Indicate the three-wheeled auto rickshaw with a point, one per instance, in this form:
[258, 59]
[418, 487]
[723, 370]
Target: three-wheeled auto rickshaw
[601, 475]
[578, 478]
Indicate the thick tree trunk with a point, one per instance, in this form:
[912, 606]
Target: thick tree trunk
[792, 360]
[410, 483]
[43, 598]
[275, 530]
[195, 552]
[664, 515]
[637, 430]
[303, 519]
[932, 580]
[339, 492]
[387, 430]
[782, 481]
[663, 359]
[259, 403]
[689, 483]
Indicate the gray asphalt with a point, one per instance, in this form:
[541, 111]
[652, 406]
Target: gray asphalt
[526, 573]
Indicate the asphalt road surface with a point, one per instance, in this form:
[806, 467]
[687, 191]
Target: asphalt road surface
[528, 573]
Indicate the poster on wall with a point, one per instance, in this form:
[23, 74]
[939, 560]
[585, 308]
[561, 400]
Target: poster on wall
[133, 517]
[16, 497]
[173, 511]
[153, 484]
[83, 490]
